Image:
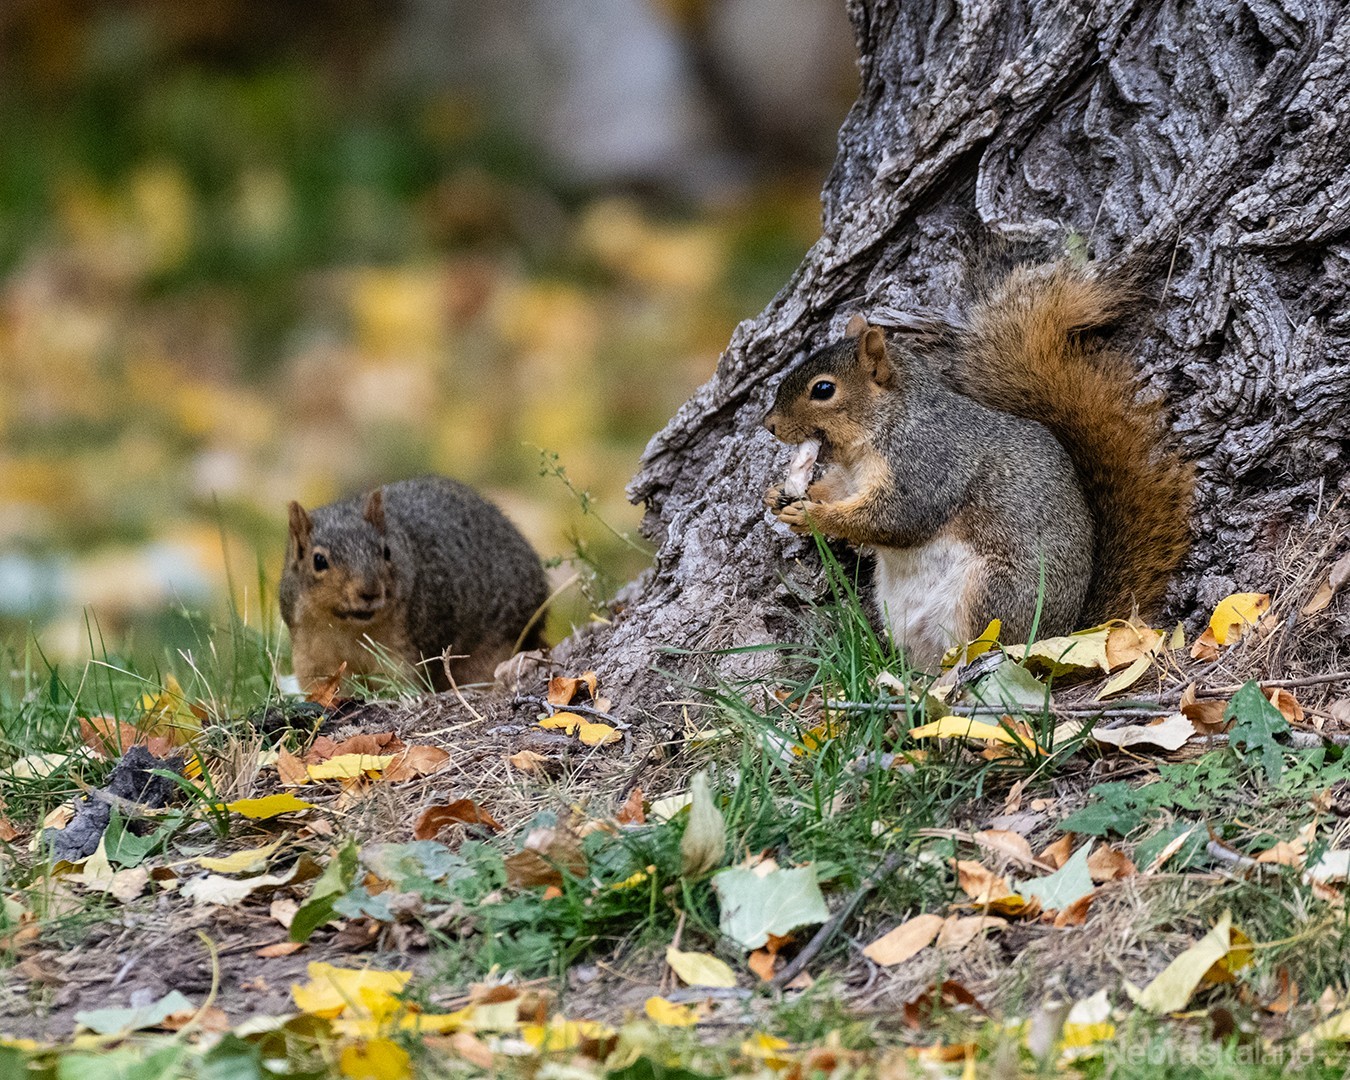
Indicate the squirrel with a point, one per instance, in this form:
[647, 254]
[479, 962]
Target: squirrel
[395, 578]
[994, 468]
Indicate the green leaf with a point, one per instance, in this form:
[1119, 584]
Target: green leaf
[704, 842]
[1011, 686]
[1119, 809]
[113, 1020]
[231, 1059]
[1070, 882]
[1256, 722]
[753, 907]
[335, 881]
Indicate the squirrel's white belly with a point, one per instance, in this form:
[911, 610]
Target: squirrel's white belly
[922, 595]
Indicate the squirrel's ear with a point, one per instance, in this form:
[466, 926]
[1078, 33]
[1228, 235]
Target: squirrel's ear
[301, 526]
[857, 326]
[374, 511]
[872, 355]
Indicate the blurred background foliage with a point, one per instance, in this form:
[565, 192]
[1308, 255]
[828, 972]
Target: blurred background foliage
[256, 250]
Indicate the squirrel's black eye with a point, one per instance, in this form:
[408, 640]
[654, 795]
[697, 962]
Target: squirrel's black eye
[320, 562]
[822, 391]
[387, 553]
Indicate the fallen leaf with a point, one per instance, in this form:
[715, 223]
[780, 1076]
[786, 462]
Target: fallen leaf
[1057, 854]
[269, 806]
[566, 722]
[416, 761]
[433, 819]
[113, 1021]
[325, 694]
[349, 766]
[1003, 842]
[962, 727]
[527, 761]
[906, 940]
[753, 906]
[547, 853]
[1172, 990]
[1207, 715]
[1107, 863]
[700, 969]
[1169, 733]
[1129, 642]
[1288, 705]
[943, 997]
[291, 769]
[280, 948]
[1069, 883]
[216, 890]
[981, 884]
[332, 991]
[668, 1014]
[1290, 852]
[562, 689]
[473, 1050]
[1206, 646]
[1336, 577]
[703, 845]
[597, 734]
[244, 861]
[1287, 996]
[958, 931]
[631, 813]
[1239, 612]
[1067, 655]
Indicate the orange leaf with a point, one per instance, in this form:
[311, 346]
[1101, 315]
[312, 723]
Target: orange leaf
[376, 745]
[1206, 646]
[416, 761]
[1288, 705]
[7, 830]
[433, 819]
[1106, 863]
[527, 761]
[108, 737]
[325, 693]
[291, 769]
[279, 948]
[906, 940]
[762, 962]
[1057, 854]
[631, 812]
[562, 689]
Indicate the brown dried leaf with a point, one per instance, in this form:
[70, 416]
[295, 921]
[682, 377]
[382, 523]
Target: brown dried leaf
[8, 832]
[1107, 863]
[1004, 842]
[416, 761]
[1057, 854]
[325, 694]
[941, 997]
[631, 812]
[291, 769]
[379, 744]
[1076, 913]
[279, 948]
[1288, 705]
[762, 963]
[1129, 641]
[980, 883]
[527, 761]
[906, 940]
[1336, 577]
[958, 931]
[1287, 995]
[462, 812]
[562, 689]
[1206, 646]
[548, 852]
[1207, 715]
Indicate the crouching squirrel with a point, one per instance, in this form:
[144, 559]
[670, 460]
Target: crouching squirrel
[404, 574]
[992, 467]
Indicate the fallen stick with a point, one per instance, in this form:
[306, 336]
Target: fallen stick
[831, 926]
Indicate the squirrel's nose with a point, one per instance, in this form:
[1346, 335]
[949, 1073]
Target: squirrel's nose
[371, 596]
[770, 423]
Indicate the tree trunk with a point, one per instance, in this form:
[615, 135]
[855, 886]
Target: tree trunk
[1203, 144]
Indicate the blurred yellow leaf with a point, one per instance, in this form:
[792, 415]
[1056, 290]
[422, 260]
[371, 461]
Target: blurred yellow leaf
[332, 991]
[375, 1059]
[963, 727]
[566, 722]
[700, 969]
[668, 1014]
[247, 861]
[1171, 991]
[563, 1034]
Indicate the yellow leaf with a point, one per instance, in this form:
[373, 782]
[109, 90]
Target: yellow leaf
[598, 734]
[375, 1059]
[962, 727]
[700, 969]
[332, 991]
[1175, 984]
[767, 1048]
[563, 1034]
[269, 806]
[347, 766]
[906, 940]
[1237, 612]
[668, 1014]
[566, 722]
[247, 861]
[1085, 651]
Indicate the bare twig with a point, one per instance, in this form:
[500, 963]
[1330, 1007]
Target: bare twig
[832, 925]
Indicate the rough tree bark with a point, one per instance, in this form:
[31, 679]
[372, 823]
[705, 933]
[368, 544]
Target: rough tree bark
[1202, 143]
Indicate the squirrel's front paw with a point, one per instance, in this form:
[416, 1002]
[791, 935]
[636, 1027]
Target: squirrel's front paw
[793, 515]
[775, 498]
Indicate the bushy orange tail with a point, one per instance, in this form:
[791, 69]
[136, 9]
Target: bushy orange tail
[1025, 352]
